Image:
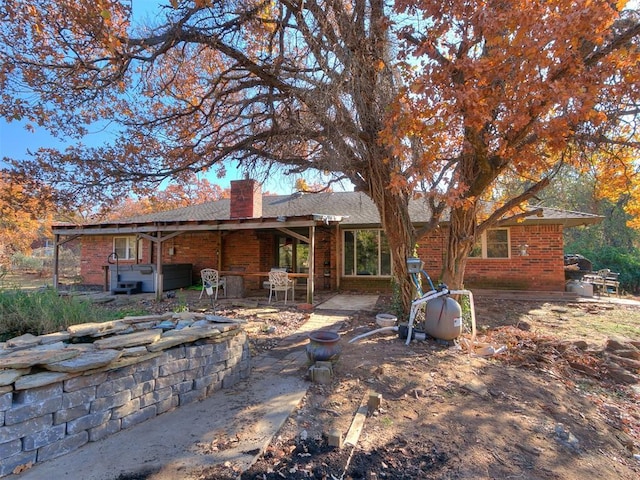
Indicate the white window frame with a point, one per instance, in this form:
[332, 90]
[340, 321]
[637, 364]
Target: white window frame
[131, 247]
[483, 244]
[355, 253]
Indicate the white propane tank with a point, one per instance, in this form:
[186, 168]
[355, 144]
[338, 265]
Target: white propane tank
[443, 318]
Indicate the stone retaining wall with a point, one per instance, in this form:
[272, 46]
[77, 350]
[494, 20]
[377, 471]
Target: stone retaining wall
[58, 392]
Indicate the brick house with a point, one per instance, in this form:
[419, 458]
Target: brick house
[335, 238]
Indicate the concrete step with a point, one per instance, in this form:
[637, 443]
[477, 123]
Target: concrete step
[127, 287]
[526, 295]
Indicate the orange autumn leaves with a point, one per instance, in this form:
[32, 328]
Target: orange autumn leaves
[513, 88]
[23, 217]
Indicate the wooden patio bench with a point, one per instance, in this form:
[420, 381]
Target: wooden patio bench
[604, 281]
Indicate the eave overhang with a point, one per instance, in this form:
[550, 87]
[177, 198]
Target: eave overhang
[195, 226]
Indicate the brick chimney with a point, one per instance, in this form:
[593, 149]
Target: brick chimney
[246, 199]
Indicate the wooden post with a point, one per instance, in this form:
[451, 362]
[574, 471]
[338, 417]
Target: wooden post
[56, 261]
[312, 254]
[159, 274]
[338, 258]
[220, 252]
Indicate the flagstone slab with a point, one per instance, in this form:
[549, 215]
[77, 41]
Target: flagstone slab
[147, 318]
[23, 341]
[168, 341]
[40, 379]
[51, 346]
[165, 325]
[54, 338]
[171, 338]
[84, 347]
[143, 337]
[228, 327]
[85, 361]
[126, 361]
[186, 316]
[7, 377]
[112, 328]
[31, 357]
[134, 351]
[85, 329]
[221, 319]
[203, 331]
[136, 327]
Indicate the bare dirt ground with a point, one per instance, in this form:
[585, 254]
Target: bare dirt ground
[562, 402]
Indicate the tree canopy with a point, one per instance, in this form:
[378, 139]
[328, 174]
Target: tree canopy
[23, 217]
[523, 88]
[453, 98]
[256, 82]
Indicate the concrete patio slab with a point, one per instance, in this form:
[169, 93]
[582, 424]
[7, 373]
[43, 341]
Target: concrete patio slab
[346, 302]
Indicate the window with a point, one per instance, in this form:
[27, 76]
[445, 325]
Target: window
[494, 243]
[285, 253]
[125, 247]
[366, 252]
[292, 254]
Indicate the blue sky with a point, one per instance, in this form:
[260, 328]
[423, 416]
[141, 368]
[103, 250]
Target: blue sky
[16, 140]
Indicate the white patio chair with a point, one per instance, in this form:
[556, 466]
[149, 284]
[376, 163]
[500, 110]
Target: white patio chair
[212, 280]
[280, 282]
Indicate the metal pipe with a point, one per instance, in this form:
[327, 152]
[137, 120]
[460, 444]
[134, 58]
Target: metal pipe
[364, 335]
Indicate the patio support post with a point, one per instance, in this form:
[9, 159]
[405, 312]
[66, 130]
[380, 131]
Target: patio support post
[56, 261]
[220, 251]
[159, 274]
[338, 248]
[312, 255]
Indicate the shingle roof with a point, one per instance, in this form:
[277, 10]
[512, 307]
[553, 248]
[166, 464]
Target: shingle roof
[356, 208]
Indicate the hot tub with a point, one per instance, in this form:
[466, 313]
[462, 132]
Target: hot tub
[175, 275]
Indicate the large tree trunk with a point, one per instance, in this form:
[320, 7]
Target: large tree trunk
[394, 214]
[459, 244]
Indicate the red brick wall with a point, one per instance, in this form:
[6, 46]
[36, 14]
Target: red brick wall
[94, 252]
[200, 249]
[366, 284]
[325, 259]
[243, 252]
[542, 269]
[240, 251]
[254, 251]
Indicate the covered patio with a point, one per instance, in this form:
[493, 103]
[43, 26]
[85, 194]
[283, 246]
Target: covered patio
[243, 247]
[163, 237]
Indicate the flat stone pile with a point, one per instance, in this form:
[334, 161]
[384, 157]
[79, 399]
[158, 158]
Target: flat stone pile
[31, 361]
[62, 390]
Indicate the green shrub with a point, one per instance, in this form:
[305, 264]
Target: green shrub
[42, 264]
[45, 311]
[27, 263]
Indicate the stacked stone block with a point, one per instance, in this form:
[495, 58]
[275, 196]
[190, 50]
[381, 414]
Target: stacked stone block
[44, 415]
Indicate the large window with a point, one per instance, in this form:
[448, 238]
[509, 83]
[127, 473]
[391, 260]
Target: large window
[125, 247]
[493, 244]
[366, 252]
